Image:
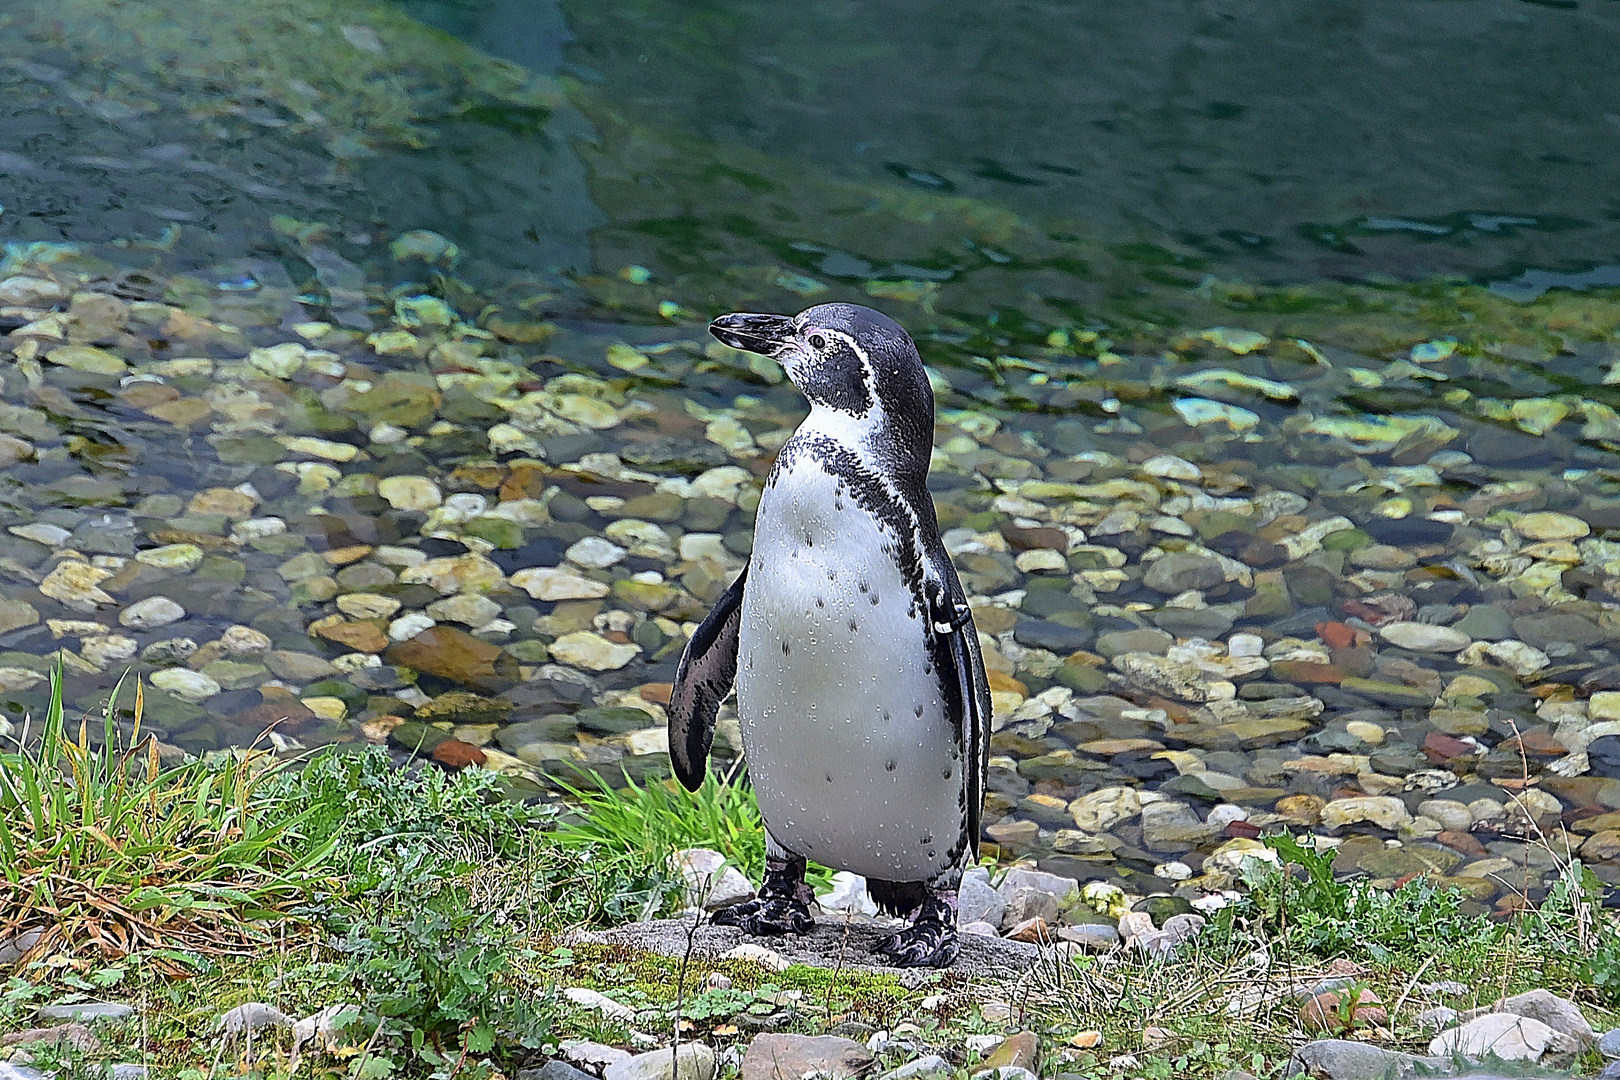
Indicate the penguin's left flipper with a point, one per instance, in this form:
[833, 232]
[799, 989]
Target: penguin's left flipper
[954, 648]
[707, 669]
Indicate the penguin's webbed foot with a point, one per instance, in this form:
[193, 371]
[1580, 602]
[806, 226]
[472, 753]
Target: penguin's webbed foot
[767, 917]
[783, 903]
[925, 943]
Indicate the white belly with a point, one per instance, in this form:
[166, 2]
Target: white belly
[851, 755]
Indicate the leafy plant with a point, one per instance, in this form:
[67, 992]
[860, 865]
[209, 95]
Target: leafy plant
[1325, 917]
[446, 976]
[1576, 933]
[385, 821]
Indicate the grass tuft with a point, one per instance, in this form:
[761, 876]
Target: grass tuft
[104, 852]
[656, 819]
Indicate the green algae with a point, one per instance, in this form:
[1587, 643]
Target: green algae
[356, 74]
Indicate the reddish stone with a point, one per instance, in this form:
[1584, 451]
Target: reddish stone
[484, 476]
[1242, 830]
[1462, 843]
[359, 636]
[1027, 539]
[450, 654]
[1336, 634]
[1179, 711]
[1512, 904]
[1536, 741]
[1035, 931]
[1355, 660]
[1543, 691]
[1261, 554]
[1339, 1012]
[525, 482]
[1305, 672]
[657, 692]
[284, 715]
[1377, 610]
[456, 754]
[1440, 747]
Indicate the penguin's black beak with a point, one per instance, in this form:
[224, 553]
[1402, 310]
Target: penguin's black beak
[763, 334]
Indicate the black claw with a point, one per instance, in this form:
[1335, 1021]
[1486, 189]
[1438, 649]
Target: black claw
[924, 944]
[767, 917]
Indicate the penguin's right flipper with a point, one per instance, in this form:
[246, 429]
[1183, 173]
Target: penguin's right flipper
[707, 669]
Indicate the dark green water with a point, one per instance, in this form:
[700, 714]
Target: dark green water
[1272, 142]
[352, 357]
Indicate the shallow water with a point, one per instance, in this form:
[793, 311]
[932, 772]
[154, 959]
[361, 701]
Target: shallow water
[327, 333]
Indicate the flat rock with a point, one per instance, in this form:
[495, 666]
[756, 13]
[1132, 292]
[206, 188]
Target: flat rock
[692, 1061]
[832, 943]
[1341, 1059]
[776, 1056]
[448, 653]
[554, 1070]
[86, 1010]
[1184, 570]
[8, 1071]
[1506, 1036]
[1556, 1012]
[15, 614]
[1424, 637]
[1385, 811]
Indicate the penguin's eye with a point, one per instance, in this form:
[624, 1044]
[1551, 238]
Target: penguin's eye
[817, 342]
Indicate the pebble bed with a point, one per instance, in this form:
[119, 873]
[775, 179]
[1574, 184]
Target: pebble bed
[1214, 609]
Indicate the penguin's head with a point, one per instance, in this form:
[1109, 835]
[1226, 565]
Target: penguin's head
[841, 356]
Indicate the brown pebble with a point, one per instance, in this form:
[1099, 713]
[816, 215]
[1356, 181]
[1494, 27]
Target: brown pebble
[1461, 842]
[1339, 1012]
[1015, 1050]
[1306, 809]
[1439, 747]
[1033, 930]
[1028, 539]
[457, 754]
[658, 693]
[359, 636]
[450, 654]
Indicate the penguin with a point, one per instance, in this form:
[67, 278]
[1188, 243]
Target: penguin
[861, 690]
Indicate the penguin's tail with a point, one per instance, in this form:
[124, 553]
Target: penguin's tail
[898, 898]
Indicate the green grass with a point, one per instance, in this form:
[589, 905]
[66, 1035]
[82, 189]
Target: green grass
[433, 903]
[102, 851]
[653, 819]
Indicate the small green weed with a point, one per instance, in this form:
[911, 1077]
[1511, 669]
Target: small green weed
[1323, 917]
